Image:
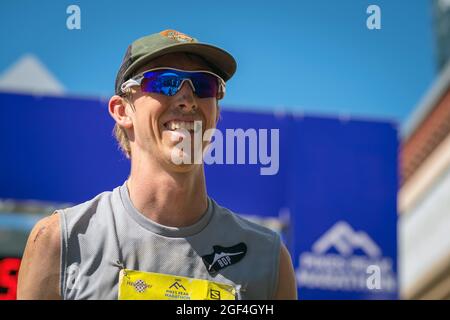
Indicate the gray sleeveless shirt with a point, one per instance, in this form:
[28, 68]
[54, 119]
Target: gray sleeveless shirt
[103, 233]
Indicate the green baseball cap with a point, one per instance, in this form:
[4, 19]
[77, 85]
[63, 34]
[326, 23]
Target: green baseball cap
[147, 48]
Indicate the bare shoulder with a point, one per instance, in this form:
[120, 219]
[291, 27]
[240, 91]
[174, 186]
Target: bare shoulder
[287, 287]
[39, 269]
[46, 231]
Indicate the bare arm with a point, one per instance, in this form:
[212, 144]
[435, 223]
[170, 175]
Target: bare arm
[287, 288]
[40, 267]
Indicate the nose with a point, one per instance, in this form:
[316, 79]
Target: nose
[185, 97]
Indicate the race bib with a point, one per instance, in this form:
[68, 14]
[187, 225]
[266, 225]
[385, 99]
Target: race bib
[139, 285]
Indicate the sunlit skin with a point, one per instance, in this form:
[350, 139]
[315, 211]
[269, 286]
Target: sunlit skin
[168, 193]
[147, 134]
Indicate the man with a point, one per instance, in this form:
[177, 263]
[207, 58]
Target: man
[158, 236]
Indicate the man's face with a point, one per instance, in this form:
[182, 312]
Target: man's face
[156, 117]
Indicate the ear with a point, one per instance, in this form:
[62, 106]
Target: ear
[117, 108]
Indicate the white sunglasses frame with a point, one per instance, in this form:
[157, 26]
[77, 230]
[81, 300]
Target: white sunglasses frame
[136, 80]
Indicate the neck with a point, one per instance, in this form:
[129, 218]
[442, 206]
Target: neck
[175, 199]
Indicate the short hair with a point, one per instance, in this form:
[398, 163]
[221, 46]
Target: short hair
[122, 139]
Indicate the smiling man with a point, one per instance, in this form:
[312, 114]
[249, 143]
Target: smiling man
[159, 235]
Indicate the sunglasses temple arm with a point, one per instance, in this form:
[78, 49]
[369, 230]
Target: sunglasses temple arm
[130, 83]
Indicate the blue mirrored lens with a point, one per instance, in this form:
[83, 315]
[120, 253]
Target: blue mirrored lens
[206, 85]
[168, 82]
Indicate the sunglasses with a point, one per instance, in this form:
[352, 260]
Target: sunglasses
[168, 81]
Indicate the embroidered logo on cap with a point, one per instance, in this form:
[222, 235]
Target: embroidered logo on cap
[223, 257]
[175, 35]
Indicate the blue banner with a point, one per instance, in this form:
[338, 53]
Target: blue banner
[328, 185]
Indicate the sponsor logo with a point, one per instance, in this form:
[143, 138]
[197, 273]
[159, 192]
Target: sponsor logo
[177, 286]
[140, 285]
[223, 257]
[342, 238]
[339, 260]
[177, 291]
[214, 294]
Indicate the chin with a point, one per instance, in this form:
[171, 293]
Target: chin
[177, 163]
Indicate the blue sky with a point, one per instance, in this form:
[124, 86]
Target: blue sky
[309, 56]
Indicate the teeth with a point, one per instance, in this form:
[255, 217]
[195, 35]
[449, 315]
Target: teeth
[174, 125]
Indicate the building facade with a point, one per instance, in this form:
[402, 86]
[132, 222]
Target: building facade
[424, 196]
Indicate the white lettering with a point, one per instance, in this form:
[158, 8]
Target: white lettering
[209, 148]
[74, 20]
[374, 20]
[374, 280]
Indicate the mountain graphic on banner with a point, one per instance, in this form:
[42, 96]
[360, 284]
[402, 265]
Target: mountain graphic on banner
[345, 240]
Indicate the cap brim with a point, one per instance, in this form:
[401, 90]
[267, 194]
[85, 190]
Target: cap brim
[221, 60]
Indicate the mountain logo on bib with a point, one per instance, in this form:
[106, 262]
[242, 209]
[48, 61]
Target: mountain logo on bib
[223, 257]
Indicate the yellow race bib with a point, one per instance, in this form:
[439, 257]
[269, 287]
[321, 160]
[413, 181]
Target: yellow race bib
[139, 285]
